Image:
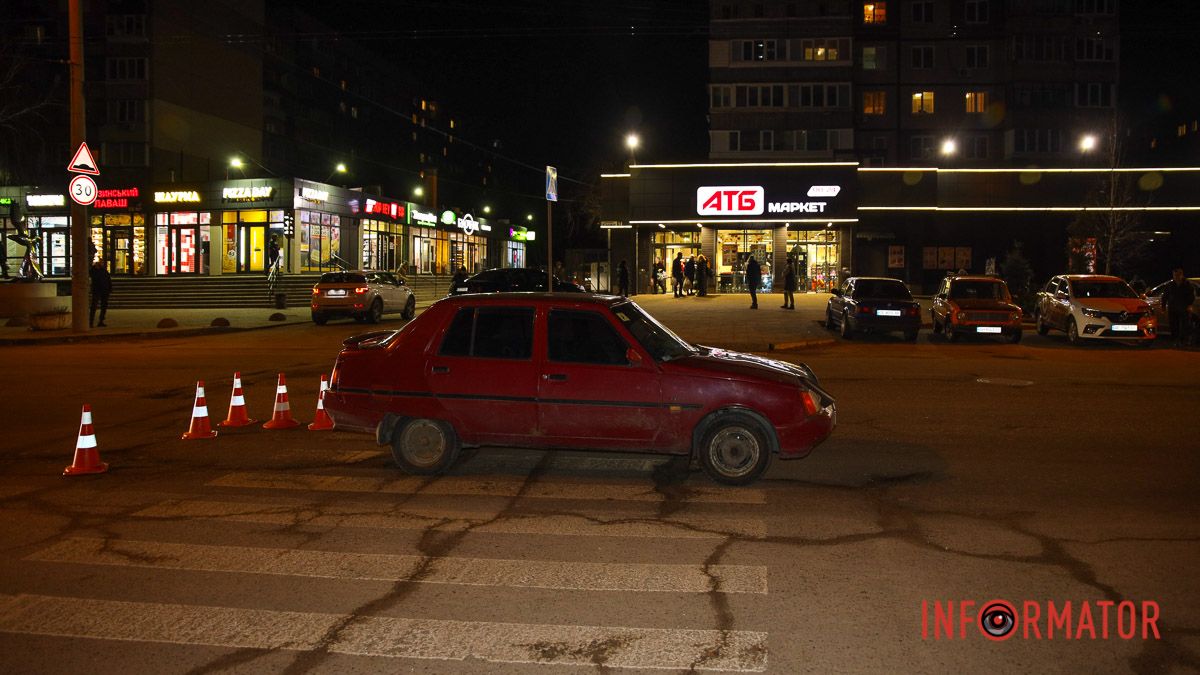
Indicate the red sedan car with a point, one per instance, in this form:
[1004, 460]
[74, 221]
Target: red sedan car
[570, 371]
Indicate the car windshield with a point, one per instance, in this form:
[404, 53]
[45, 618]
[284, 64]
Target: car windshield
[1102, 289]
[881, 288]
[662, 344]
[342, 278]
[978, 290]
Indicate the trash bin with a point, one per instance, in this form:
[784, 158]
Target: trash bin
[281, 301]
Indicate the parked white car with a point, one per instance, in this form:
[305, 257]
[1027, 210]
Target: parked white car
[1094, 307]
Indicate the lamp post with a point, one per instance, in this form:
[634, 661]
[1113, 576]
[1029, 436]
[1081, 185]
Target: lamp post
[340, 167]
[632, 141]
[234, 163]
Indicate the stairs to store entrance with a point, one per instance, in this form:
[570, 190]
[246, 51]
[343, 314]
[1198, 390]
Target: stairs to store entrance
[223, 291]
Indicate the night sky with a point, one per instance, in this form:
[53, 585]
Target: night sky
[556, 83]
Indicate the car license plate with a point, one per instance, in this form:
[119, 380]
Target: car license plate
[1124, 327]
[988, 329]
[887, 312]
[464, 289]
[335, 293]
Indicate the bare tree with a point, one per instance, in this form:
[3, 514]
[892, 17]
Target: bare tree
[32, 94]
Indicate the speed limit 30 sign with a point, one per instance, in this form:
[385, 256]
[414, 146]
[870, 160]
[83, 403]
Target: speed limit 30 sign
[82, 190]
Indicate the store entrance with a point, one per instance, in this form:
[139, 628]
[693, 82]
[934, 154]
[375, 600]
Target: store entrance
[252, 247]
[817, 253]
[734, 249]
[119, 250]
[180, 249]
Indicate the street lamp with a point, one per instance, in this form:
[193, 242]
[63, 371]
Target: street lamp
[1087, 143]
[487, 209]
[418, 191]
[949, 147]
[632, 141]
[529, 217]
[340, 167]
[235, 162]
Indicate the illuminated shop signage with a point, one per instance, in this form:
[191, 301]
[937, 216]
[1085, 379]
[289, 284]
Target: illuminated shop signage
[115, 199]
[449, 217]
[45, 200]
[314, 195]
[176, 197]
[389, 209]
[247, 194]
[521, 234]
[751, 200]
[6, 201]
[470, 226]
[424, 217]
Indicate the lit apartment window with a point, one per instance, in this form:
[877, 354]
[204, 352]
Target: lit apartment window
[977, 56]
[875, 12]
[316, 71]
[976, 11]
[825, 49]
[922, 12]
[874, 102]
[872, 58]
[922, 57]
[1181, 130]
[976, 101]
[451, 124]
[922, 102]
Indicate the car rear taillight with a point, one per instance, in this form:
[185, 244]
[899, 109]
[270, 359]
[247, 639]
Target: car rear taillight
[864, 309]
[810, 406]
[913, 311]
[361, 290]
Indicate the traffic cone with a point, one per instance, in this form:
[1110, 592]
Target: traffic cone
[87, 457]
[322, 421]
[282, 417]
[237, 406]
[199, 427]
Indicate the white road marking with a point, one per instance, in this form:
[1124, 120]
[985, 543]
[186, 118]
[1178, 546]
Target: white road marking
[385, 516]
[612, 646]
[559, 575]
[490, 486]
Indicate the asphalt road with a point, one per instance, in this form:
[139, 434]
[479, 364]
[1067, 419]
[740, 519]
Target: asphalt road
[1031, 472]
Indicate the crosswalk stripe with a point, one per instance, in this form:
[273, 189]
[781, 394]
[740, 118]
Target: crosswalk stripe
[385, 516]
[386, 567]
[489, 486]
[610, 646]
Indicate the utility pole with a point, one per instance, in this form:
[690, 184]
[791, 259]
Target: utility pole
[80, 228]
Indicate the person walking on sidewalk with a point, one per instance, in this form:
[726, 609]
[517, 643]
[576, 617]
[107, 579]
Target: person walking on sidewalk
[101, 289]
[677, 274]
[623, 279]
[1178, 298]
[660, 278]
[689, 275]
[702, 275]
[753, 280]
[789, 285]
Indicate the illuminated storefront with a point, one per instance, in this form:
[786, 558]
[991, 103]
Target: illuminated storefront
[253, 219]
[468, 241]
[382, 224]
[48, 220]
[423, 250]
[323, 226]
[514, 246]
[180, 229]
[119, 230]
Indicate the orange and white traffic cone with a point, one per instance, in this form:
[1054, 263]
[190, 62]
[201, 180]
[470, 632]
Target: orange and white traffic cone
[87, 457]
[322, 421]
[200, 427]
[282, 417]
[237, 406]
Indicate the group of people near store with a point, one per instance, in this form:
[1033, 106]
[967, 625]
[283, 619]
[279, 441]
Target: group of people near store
[693, 276]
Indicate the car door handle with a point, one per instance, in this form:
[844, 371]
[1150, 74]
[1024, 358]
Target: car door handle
[555, 377]
[441, 370]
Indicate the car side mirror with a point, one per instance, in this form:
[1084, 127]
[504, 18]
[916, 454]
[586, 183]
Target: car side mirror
[633, 356]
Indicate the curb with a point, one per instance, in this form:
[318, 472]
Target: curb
[142, 334]
[800, 344]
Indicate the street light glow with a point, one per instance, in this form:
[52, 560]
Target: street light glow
[529, 217]
[949, 147]
[632, 141]
[418, 191]
[236, 162]
[340, 168]
[1087, 143]
[487, 209]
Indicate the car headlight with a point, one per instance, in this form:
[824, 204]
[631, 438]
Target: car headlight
[1094, 313]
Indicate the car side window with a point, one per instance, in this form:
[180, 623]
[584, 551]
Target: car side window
[387, 278]
[584, 337]
[490, 333]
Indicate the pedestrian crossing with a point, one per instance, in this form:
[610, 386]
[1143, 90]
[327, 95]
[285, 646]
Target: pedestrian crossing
[499, 512]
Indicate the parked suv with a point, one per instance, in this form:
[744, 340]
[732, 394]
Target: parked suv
[1094, 307]
[363, 295]
[873, 304]
[512, 279]
[975, 305]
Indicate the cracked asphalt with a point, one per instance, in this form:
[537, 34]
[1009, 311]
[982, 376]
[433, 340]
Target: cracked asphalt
[976, 471]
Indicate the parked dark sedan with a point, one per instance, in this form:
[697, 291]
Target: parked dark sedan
[873, 304]
[512, 279]
[570, 371]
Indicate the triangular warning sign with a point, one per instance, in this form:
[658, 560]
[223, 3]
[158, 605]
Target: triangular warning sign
[82, 162]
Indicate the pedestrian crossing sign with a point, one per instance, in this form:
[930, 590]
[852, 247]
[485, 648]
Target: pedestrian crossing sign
[551, 184]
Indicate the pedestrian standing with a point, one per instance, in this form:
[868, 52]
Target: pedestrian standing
[702, 275]
[789, 285]
[459, 278]
[660, 277]
[101, 289]
[677, 274]
[1178, 298]
[753, 280]
[623, 279]
[689, 274]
